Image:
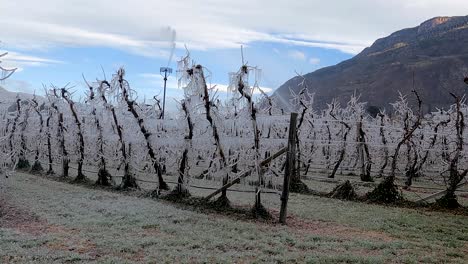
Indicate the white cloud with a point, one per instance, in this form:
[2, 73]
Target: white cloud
[19, 61]
[20, 57]
[157, 79]
[297, 55]
[19, 86]
[141, 26]
[314, 61]
[225, 88]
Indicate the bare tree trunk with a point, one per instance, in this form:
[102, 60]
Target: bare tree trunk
[23, 163]
[342, 151]
[259, 210]
[61, 137]
[327, 148]
[223, 200]
[296, 184]
[347, 128]
[411, 171]
[131, 108]
[63, 150]
[183, 167]
[366, 165]
[384, 143]
[128, 181]
[13, 131]
[312, 147]
[50, 170]
[80, 176]
[103, 175]
[37, 167]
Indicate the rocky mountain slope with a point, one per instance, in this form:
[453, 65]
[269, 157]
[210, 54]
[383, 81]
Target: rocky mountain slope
[432, 56]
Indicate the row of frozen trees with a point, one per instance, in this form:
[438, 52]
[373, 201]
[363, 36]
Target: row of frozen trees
[214, 140]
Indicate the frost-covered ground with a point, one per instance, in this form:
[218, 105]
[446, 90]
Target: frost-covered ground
[48, 221]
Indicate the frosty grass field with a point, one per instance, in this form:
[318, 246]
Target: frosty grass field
[46, 221]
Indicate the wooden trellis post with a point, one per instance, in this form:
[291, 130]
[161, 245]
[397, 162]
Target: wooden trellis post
[290, 163]
[440, 193]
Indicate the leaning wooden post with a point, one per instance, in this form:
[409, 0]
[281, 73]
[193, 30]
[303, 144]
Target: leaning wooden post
[246, 173]
[290, 163]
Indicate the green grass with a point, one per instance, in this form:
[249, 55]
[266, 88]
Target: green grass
[80, 225]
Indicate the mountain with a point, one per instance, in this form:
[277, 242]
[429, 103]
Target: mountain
[8, 99]
[7, 96]
[433, 54]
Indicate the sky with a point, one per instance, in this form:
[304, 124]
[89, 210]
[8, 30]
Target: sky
[56, 41]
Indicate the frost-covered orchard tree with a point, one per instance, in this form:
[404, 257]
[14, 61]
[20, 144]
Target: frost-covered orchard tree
[387, 191]
[337, 113]
[104, 177]
[50, 169]
[197, 90]
[20, 149]
[421, 156]
[383, 117]
[304, 102]
[363, 158]
[104, 90]
[182, 179]
[4, 149]
[55, 101]
[456, 175]
[122, 87]
[12, 132]
[37, 166]
[240, 80]
[8, 155]
[66, 95]
[327, 141]
[363, 153]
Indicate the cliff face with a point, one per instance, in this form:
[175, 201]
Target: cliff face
[434, 55]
